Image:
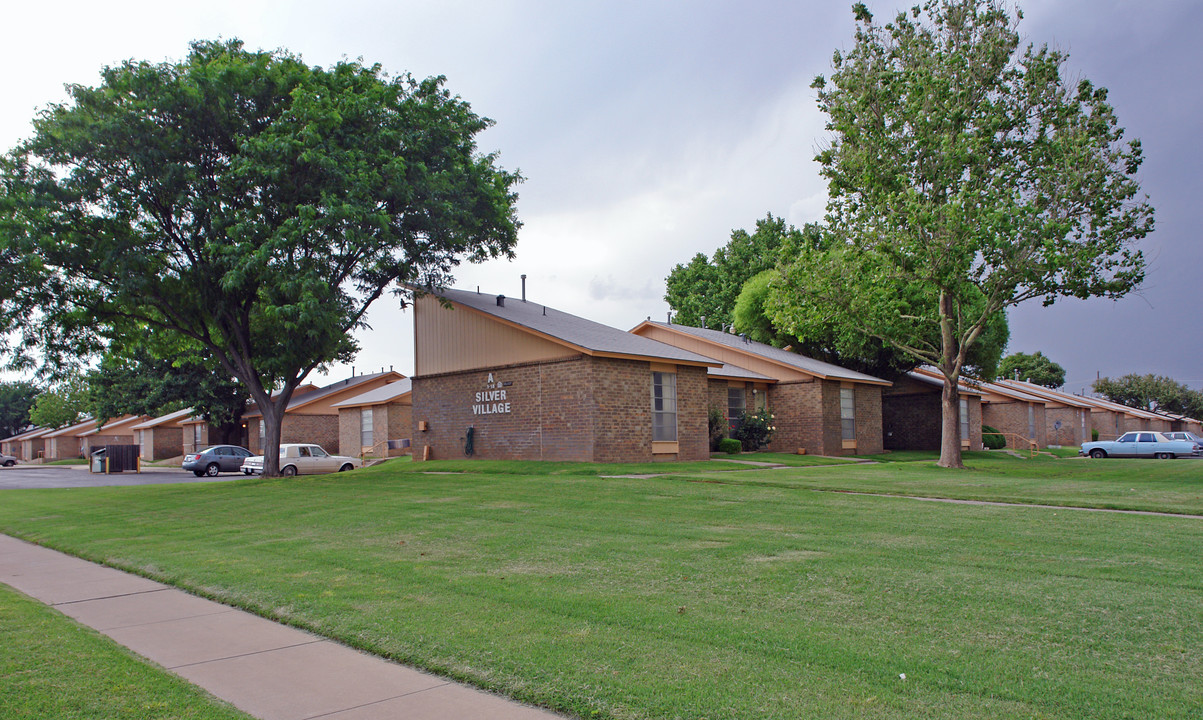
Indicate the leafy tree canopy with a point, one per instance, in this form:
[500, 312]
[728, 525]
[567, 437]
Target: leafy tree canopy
[16, 400]
[140, 381]
[965, 176]
[1035, 368]
[1152, 392]
[709, 288]
[64, 404]
[247, 203]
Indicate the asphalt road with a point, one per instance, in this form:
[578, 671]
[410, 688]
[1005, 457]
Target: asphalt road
[75, 476]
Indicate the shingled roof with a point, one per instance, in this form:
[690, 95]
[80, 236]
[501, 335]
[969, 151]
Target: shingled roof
[591, 338]
[810, 366]
[313, 396]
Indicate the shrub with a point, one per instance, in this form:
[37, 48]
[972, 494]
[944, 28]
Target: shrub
[731, 446]
[993, 442]
[755, 429]
[718, 427]
[1094, 434]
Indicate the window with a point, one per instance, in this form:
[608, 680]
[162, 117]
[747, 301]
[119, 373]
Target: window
[196, 437]
[1146, 437]
[262, 433]
[964, 419]
[365, 427]
[736, 405]
[664, 407]
[847, 414]
[1031, 422]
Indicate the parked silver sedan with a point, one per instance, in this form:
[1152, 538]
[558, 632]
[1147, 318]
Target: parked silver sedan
[7, 460]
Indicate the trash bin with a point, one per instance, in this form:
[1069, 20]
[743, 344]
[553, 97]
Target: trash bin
[97, 461]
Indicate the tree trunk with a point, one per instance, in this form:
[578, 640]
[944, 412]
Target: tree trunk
[950, 425]
[950, 398]
[273, 415]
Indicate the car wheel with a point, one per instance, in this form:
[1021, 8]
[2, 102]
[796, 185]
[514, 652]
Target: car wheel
[1098, 453]
[198, 473]
[1165, 456]
[289, 470]
[346, 467]
[246, 472]
[212, 470]
[9, 463]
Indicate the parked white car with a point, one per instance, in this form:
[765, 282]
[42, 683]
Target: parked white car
[302, 459]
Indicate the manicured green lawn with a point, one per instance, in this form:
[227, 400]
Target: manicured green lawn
[792, 459]
[703, 594]
[52, 667]
[1173, 486]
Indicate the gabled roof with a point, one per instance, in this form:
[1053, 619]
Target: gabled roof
[313, 396]
[985, 388]
[72, 429]
[174, 418]
[27, 434]
[810, 366]
[122, 423]
[379, 396]
[1048, 393]
[735, 372]
[577, 333]
[938, 381]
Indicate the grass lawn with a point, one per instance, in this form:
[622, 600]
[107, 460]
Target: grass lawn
[52, 667]
[1173, 486]
[703, 594]
[67, 461]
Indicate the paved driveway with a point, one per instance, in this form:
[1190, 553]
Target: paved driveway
[72, 476]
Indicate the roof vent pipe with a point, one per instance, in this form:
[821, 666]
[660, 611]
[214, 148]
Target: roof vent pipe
[523, 287]
[670, 317]
[703, 321]
[501, 301]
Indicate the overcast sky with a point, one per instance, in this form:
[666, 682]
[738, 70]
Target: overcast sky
[647, 131]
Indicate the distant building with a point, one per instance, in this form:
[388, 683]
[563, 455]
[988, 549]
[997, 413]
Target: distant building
[912, 413]
[311, 416]
[820, 407]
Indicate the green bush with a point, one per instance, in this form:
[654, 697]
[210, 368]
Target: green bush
[731, 446]
[993, 442]
[718, 427]
[1094, 434]
[755, 429]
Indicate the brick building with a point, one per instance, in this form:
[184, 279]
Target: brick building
[1014, 413]
[1066, 417]
[503, 378]
[822, 408]
[373, 421]
[27, 445]
[912, 413]
[162, 437]
[117, 431]
[310, 416]
[65, 442]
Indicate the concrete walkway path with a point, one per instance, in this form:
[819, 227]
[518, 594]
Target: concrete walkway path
[263, 668]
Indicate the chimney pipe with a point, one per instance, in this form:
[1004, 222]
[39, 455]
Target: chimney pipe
[703, 321]
[523, 287]
[501, 301]
[670, 317]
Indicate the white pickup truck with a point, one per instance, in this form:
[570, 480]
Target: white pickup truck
[302, 459]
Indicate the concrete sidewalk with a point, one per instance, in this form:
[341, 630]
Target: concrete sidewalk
[266, 669]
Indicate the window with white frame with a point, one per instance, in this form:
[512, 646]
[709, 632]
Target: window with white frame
[1031, 422]
[664, 407]
[262, 433]
[196, 437]
[847, 414]
[964, 419]
[736, 406]
[365, 427]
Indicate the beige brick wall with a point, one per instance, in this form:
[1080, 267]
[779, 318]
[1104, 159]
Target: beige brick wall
[588, 409]
[392, 421]
[1012, 417]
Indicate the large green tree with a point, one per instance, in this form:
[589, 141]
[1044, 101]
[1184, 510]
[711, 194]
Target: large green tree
[64, 404]
[16, 399]
[965, 176]
[249, 204]
[1035, 368]
[709, 287]
[1152, 392]
[145, 379]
